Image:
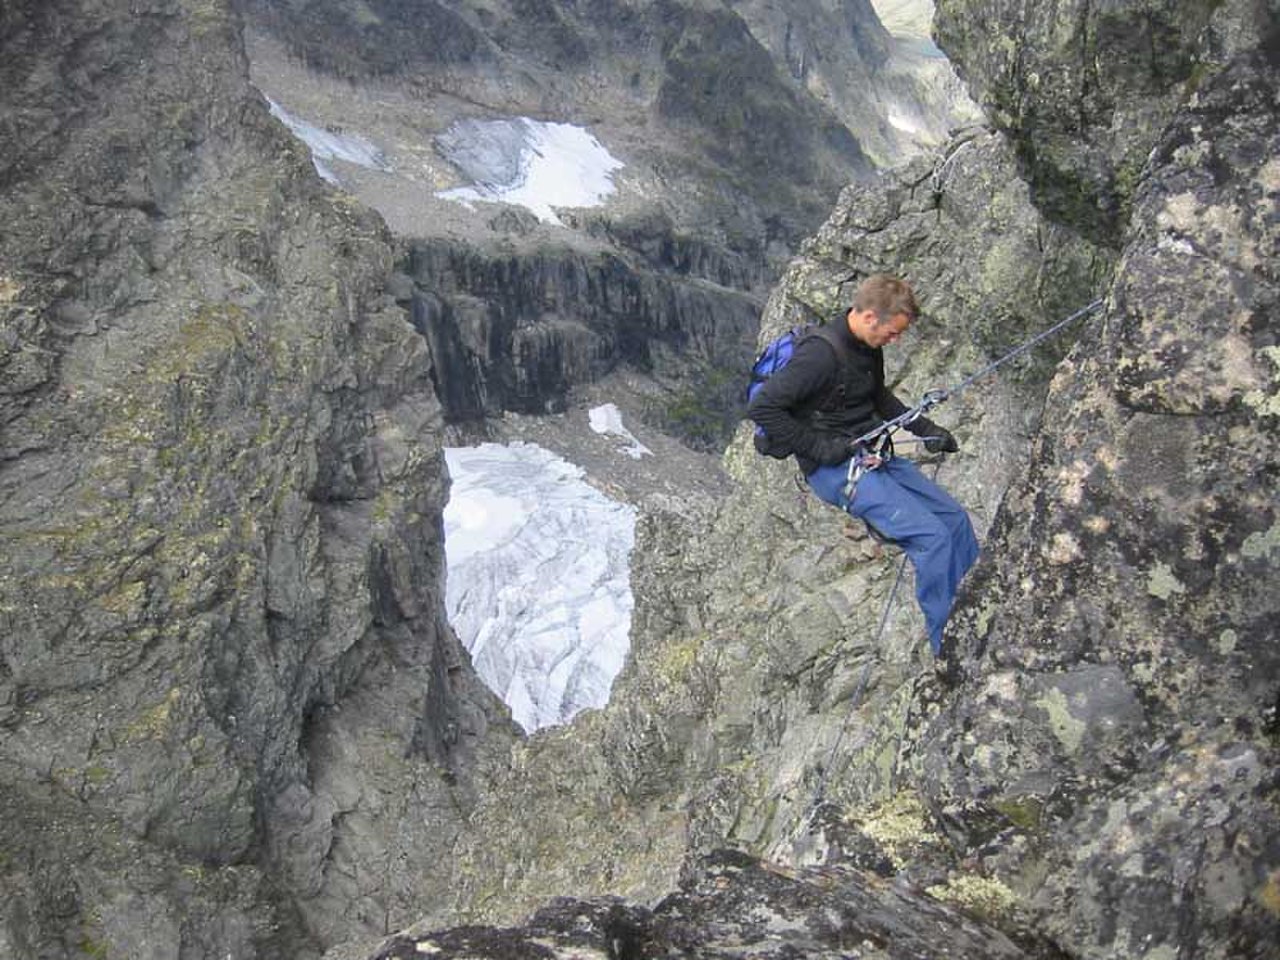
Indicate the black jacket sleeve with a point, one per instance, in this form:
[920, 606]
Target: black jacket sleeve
[889, 406]
[780, 407]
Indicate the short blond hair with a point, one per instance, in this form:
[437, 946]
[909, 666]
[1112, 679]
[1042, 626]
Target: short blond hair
[886, 296]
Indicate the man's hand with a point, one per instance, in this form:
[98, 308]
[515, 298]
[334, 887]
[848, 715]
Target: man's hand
[941, 441]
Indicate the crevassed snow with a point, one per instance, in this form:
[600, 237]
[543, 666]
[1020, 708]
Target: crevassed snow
[538, 582]
[607, 419]
[327, 145]
[530, 163]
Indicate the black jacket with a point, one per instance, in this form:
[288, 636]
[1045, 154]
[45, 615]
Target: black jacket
[831, 392]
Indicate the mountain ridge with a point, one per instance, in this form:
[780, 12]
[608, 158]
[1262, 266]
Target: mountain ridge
[234, 718]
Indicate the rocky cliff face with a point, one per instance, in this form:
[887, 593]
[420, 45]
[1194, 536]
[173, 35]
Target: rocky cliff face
[1116, 740]
[232, 720]
[1100, 782]
[873, 67]
[518, 330]
[222, 647]
[1085, 92]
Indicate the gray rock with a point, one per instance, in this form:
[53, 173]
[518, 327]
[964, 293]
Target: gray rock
[520, 330]
[1133, 557]
[733, 906]
[1085, 92]
[232, 718]
[222, 645]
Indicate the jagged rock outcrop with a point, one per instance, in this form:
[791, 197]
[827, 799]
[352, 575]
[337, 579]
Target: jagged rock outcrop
[732, 905]
[223, 654]
[1117, 739]
[1085, 91]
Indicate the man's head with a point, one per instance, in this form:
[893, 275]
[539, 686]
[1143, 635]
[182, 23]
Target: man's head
[882, 309]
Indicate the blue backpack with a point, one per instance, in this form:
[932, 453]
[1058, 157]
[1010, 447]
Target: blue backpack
[775, 355]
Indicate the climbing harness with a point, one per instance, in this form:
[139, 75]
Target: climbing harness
[871, 450]
[863, 460]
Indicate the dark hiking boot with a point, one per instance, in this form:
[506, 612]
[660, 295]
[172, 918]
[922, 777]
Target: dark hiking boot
[946, 667]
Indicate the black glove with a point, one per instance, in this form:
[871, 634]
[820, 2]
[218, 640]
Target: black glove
[941, 441]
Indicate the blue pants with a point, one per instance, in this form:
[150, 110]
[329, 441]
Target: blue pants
[907, 507]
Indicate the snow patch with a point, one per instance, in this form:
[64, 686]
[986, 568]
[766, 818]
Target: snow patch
[607, 419]
[327, 145]
[538, 583]
[529, 163]
[902, 122]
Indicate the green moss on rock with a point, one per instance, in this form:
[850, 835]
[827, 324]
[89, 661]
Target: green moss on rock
[986, 898]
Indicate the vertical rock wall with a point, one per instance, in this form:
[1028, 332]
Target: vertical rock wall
[1113, 753]
[518, 329]
[222, 646]
[1084, 91]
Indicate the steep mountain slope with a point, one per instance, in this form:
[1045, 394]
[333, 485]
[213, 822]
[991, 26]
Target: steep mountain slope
[1100, 782]
[223, 653]
[233, 720]
[710, 132]
[687, 93]
[730, 142]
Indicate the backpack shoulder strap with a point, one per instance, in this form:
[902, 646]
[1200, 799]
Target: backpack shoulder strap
[830, 334]
[841, 349]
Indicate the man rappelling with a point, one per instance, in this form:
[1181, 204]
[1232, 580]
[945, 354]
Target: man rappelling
[828, 406]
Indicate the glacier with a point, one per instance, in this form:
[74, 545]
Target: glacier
[529, 163]
[538, 578]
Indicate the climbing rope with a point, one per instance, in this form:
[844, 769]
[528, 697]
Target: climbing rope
[819, 794]
[932, 398]
[1044, 335]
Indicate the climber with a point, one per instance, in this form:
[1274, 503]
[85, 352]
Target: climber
[832, 392]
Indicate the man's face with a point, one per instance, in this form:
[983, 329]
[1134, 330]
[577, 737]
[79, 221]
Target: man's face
[876, 331]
